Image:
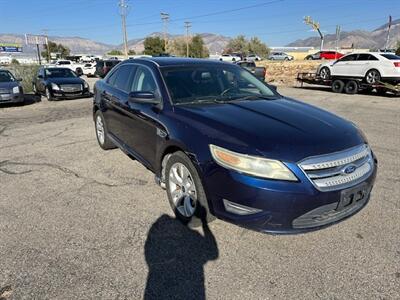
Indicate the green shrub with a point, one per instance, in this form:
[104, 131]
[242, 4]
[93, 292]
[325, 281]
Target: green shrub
[26, 72]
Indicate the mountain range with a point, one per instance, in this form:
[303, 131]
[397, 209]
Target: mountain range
[374, 39]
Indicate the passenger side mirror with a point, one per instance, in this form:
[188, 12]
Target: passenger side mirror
[143, 97]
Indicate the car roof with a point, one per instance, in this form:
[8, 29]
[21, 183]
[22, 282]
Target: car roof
[174, 61]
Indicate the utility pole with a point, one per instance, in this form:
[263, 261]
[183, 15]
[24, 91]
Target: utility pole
[315, 26]
[187, 26]
[123, 10]
[165, 19]
[45, 32]
[338, 29]
[388, 33]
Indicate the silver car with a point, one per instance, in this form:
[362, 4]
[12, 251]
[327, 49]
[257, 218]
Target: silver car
[280, 56]
[10, 88]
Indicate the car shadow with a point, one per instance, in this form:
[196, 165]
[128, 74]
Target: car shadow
[28, 100]
[175, 255]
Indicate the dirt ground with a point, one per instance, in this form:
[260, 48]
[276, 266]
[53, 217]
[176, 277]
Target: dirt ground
[80, 222]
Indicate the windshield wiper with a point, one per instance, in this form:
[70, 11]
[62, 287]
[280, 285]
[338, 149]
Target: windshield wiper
[257, 97]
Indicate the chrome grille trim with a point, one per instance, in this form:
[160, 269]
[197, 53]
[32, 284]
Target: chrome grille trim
[5, 91]
[327, 172]
[71, 87]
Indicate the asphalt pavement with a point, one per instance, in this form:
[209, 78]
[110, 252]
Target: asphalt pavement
[77, 222]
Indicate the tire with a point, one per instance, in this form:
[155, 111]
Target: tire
[309, 58]
[337, 86]
[48, 95]
[272, 58]
[101, 132]
[372, 76]
[286, 59]
[188, 201]
[325, 73]
[35, 91]
[351, 87]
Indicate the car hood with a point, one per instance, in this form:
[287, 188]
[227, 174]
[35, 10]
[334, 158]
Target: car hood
[8, 85]
[65, 80]
[283, 129]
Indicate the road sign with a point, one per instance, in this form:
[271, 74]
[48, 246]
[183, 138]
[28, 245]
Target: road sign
[32, 39]
[13, 48]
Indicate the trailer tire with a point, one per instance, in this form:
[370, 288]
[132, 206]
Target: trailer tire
[337, 86]
[351, 87]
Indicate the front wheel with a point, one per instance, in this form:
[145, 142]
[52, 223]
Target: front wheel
[185, 191]
[325, 73]
[49, 97]
[372, 76]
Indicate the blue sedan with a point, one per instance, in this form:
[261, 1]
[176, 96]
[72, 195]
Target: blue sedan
[224, 144]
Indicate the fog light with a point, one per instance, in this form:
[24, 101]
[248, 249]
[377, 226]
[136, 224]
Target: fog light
[239, 209]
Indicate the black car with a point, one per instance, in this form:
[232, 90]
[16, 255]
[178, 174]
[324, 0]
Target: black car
[105, 66]
[59, 83]
[10, 88]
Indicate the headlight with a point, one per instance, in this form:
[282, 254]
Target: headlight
[54, 87]
[257, 166]
[15, 90]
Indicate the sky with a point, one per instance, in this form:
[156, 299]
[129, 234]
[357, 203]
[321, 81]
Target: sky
[276, 22]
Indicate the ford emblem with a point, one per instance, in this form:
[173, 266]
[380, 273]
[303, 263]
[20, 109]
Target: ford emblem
[349, 169]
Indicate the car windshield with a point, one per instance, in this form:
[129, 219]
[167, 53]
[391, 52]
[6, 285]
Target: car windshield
[59, 73]
[391, 56]
[213, 83]
[6, 76]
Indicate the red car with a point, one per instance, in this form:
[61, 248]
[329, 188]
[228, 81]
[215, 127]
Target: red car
[324, 55]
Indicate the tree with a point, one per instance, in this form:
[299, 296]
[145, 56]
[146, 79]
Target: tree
[55, 48]
[237, 44]
[197, 47]
[131, 52]
[256, 46]
[241, 45]
[154, 46]
[115, 52]
[177, 46]
[398, 48]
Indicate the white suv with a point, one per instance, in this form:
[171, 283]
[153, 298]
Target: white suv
[371, 66]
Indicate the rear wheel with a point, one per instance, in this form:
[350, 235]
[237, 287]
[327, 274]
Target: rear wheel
[337, 86]
[351, 87]
[185, 191]
[325, 73]
[372, 76]
[101, 132]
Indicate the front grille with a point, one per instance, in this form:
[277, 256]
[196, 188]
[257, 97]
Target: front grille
[5, 91]
[70, 88]
[340, 169]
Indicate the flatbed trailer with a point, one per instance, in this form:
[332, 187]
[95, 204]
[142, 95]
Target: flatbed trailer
[348, 85]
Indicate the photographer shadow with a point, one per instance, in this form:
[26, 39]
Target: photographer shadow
[175, 255]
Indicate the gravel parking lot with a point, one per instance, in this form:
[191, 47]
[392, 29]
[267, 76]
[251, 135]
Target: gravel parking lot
[80, 222]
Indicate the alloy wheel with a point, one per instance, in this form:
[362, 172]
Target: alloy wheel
[373, 76]
[183, 189]
[100, 130]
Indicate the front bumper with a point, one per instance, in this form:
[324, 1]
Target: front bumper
[11, 98]
[284, 207]
[59, 94]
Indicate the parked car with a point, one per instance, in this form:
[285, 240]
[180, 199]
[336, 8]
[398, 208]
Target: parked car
[230, 58]
[89, 69]
[371, 66]
[59, 83]
[324, 55]
[76, 67]
[253, 57]
[224, 144]
[258, 72]
[10, 88]
[105, 66]
[280, 56]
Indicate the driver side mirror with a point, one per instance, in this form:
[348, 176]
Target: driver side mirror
[273, 87]
[40, 76]
[143, 97]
